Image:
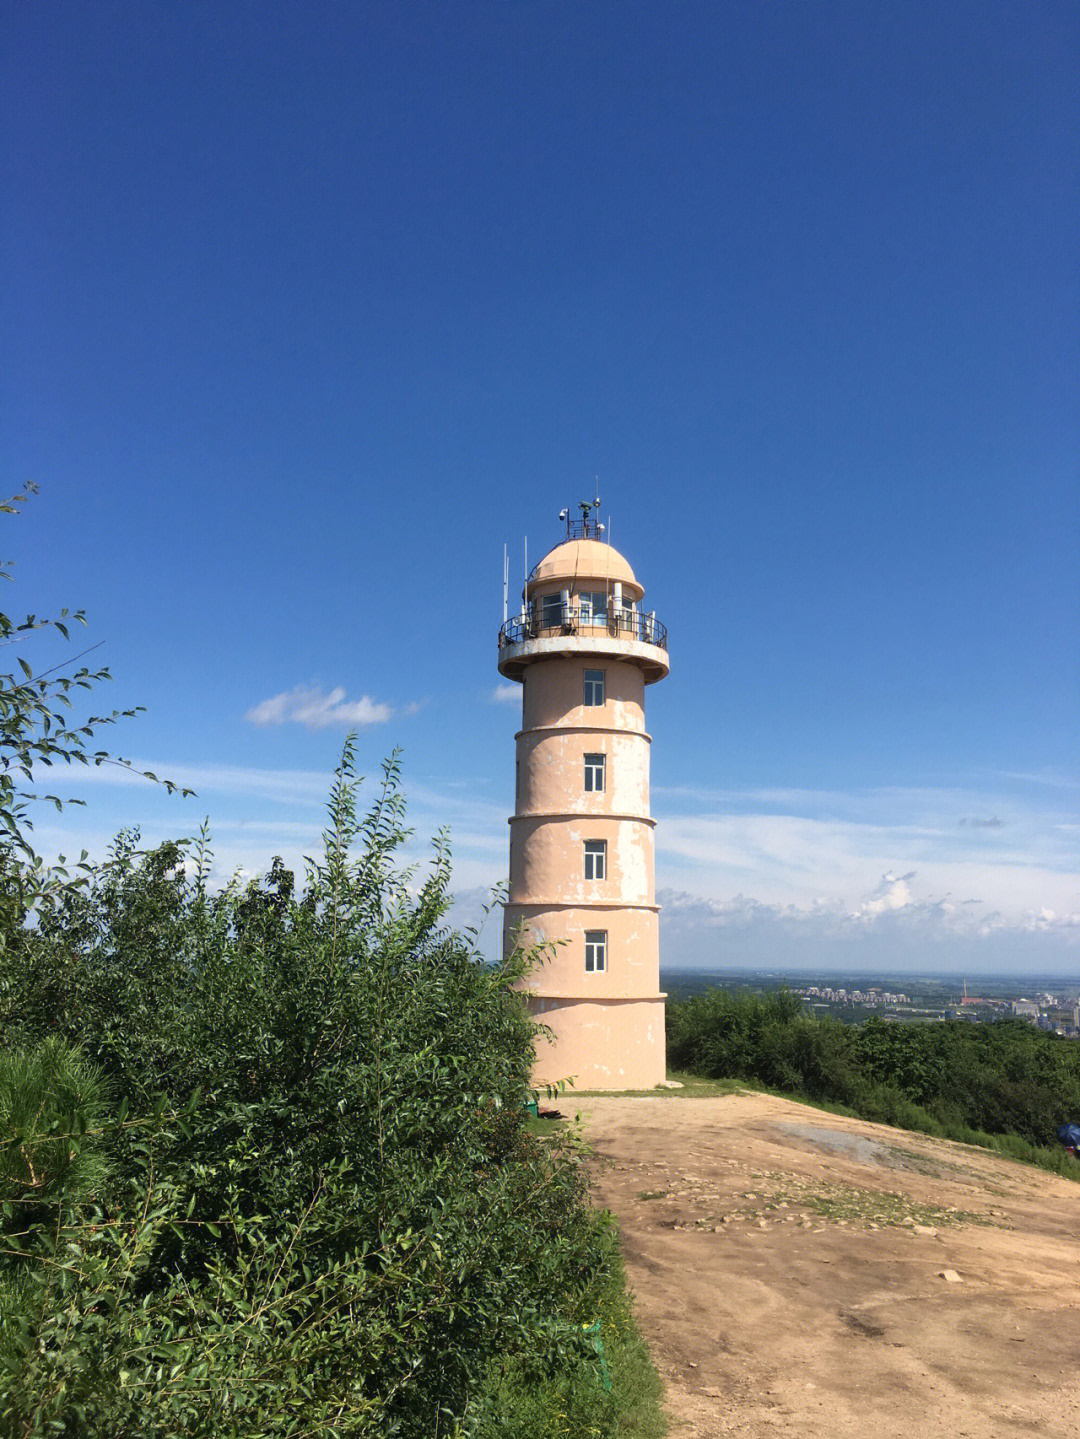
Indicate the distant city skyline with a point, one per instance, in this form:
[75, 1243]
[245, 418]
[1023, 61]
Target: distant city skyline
[310, 311]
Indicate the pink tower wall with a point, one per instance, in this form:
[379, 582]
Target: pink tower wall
[605, 1030]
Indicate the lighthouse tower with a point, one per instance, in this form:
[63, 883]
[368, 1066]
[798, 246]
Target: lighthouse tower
[581, 836]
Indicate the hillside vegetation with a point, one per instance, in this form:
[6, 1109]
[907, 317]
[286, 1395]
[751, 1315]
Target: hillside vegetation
[1006, 1085]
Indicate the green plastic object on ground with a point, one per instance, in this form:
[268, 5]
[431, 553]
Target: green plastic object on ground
[593, 1331]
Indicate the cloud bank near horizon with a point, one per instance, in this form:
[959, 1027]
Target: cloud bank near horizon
[920, 935]
[807, 849]
[891, 878]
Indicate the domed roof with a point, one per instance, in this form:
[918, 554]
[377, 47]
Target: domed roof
[578, 560]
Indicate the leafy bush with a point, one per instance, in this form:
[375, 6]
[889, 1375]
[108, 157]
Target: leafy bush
[264, 1168]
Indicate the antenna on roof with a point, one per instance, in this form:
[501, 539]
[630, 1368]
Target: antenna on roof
[591, 529]
[506, 580]
[601, 528]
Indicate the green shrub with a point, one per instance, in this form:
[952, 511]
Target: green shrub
[291, 1190]
[615, 1391]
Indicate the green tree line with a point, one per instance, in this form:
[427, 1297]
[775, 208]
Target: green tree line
[1006, 1084]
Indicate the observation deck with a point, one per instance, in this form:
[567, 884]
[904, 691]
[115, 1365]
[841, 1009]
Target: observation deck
[548, 628]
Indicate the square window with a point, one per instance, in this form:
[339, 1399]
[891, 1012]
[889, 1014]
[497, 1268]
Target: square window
[595, 773]
[593, 606]
[594, 687]
[551, 612]
[596, 859]
[595, 951]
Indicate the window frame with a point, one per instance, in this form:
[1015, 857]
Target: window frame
[595, 767]
[594, 678]
[552, 611]
[596, 945]
[587, 609]
[595, 852]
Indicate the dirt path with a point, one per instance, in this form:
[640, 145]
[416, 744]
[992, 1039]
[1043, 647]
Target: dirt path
[787, 1269]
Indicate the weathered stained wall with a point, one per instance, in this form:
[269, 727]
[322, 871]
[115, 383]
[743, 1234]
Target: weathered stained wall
[633, 940]
[551, 766]
[547, 858]
[554, 690]
[601, 1046]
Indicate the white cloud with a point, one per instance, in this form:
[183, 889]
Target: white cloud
[257, 810]
[1045, 777]
[506, 695]
[892, 893]
[919, 933]
[316, 710]
[789, 847]
[1046, 921]
[886, 879]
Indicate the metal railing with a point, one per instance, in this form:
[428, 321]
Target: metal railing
[569, 620]
[584, 529]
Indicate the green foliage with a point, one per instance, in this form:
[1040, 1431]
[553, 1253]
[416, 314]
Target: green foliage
[520, 1403]
[284, 1181]
[1006, 1084]
[51, 1104]
[38, 729]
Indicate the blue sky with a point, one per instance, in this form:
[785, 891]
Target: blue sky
[309, 309]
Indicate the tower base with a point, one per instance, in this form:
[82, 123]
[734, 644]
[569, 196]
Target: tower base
[600, 1043]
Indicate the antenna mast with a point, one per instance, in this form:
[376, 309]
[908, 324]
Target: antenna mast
[506, 580]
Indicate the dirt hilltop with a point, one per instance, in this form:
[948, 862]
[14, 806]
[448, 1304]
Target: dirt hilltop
[788, 1266]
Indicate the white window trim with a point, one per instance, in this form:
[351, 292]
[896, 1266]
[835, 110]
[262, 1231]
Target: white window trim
[588, 688]
[596, 859]
[590, 615]
[601, 944]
